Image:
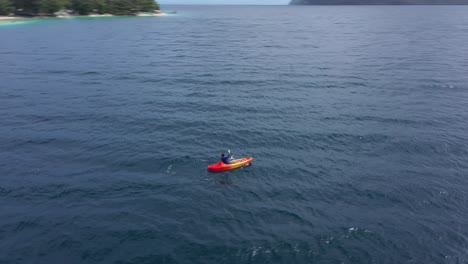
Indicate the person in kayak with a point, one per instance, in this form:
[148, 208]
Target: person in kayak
[226, 159]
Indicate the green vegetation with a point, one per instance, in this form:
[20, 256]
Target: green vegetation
[115, 7]
[82, 7]
[51, 6]
[6, 7]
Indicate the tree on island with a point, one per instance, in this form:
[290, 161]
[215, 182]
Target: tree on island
[82, 7]
[52, 6]
[26, 6]
[148, 5]
[6, 7]
[115, 7]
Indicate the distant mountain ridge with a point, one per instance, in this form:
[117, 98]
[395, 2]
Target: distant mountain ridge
[379, 2]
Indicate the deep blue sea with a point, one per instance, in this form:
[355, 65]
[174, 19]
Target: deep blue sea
[357, 118]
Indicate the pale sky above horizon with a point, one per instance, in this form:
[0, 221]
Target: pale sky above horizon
[223, 2]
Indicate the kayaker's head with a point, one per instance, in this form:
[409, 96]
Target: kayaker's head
[222, 155]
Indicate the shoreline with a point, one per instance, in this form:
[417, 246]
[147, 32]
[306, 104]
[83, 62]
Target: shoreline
[7, 18]
[11, 17]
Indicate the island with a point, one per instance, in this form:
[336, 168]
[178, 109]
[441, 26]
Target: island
[63, 8]
[379, 2]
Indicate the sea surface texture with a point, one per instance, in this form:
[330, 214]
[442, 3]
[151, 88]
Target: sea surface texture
[357, 118]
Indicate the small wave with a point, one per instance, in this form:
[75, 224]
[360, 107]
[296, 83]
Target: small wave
[87, 73]
[57, 71]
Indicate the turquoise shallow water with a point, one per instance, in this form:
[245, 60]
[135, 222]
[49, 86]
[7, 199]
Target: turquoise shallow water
[17, 22]
[356, 117]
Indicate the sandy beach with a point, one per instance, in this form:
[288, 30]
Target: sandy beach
[150, 14]
[97, 15]
[10, 18]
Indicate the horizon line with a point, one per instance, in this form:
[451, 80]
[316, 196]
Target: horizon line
[227, 4]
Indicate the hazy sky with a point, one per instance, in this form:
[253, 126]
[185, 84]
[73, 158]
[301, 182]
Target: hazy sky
[226, 2]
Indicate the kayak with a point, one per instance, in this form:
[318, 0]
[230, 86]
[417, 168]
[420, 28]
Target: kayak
[235, 164]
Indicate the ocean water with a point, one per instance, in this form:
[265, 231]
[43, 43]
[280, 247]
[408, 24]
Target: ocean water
[356, 118]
